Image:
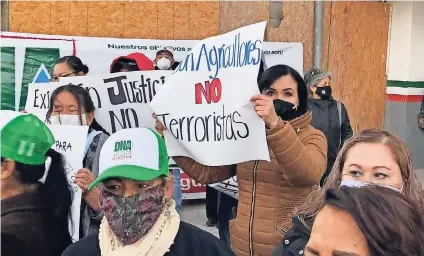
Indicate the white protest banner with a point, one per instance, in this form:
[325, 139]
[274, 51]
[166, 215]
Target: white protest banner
[121, 99]
[72, 148]
[214, 121]
[228, 187]
[30, 58]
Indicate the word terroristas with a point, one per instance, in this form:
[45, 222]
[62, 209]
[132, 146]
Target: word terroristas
[213, 127]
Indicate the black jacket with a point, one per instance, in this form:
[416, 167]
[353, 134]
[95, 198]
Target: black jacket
[190, 240]
[28, 227]
[325, 117]
[295, 240]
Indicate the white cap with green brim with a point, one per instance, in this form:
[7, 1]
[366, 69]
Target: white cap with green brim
[135, 154]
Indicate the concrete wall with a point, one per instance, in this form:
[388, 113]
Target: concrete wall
[401, 119]
[405, 86]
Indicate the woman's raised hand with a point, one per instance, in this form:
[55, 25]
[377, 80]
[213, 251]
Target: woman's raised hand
[264, 107]
[159, 126]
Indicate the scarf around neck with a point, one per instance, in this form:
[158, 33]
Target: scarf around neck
[155, 243]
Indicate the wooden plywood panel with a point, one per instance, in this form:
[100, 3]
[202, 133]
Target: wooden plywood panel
[106, 19]
[297, 26]
[59, 19]
[165, 16]
[140, 20]
[235, 14]
[182, 20]
[78, 18]
[29, 17]
[204, 19]
[357, 59]
[326, 33]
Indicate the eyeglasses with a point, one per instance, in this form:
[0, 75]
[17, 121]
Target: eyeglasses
[56, 78]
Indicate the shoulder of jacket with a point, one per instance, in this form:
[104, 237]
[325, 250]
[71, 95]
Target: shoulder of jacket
[88, 244]
[308, 130]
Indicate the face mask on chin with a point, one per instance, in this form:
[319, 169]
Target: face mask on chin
[131, 218]
[324, 92]
[68, 120]
[163, 63]
[285, 110]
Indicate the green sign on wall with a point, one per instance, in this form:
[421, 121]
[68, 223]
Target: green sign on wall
[35, 65]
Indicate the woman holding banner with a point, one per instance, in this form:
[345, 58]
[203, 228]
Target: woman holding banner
[270, 191]
[72, 105]
[34, 215]
[68, 66]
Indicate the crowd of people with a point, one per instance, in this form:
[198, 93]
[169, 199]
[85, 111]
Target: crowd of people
[325, 191]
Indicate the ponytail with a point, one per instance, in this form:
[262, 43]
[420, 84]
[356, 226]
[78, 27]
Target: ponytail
[96, 126]
[56, 189]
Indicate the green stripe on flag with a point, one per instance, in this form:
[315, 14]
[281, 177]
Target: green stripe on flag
[7, 78]
[34, 57]
[405, 84]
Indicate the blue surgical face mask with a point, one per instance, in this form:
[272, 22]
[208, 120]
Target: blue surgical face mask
[358, 184]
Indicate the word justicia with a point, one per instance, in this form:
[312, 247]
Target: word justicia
[237, 54]
[214, 127]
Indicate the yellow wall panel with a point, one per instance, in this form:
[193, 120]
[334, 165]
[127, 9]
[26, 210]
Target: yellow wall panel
[297, 26]
[204, 19]
[59, 19]
[29, 17]
[165, 17]
[106, 19]
[182, 20]
[140, 20]
[78, 18]
[357, 59]
[237, 14]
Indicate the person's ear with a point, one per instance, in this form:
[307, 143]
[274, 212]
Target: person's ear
[168, 189]
[313, 88]
[7, 168]
[89, 117]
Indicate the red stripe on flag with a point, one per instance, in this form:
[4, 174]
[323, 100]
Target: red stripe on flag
[35, 38]
[405, 98]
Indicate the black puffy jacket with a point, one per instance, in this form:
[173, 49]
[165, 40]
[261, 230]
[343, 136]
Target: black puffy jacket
[296, 238]
[325, 117]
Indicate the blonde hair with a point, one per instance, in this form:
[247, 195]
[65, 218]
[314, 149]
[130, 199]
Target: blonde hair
[412, 187]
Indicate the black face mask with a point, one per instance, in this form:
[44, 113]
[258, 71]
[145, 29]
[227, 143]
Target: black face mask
[285, 110]
[324, 92]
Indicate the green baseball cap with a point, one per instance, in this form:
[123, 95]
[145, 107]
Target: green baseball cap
[135, 154]
[24, 138]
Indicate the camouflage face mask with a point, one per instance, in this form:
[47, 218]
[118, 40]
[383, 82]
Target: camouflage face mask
[130, 218]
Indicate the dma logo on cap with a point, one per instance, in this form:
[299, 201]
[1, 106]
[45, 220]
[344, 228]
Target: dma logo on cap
[122, 150]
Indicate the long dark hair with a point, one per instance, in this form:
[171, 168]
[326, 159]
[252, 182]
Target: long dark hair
[74, 63]
[391, 223]
[273, 73]
[84, 102]
[56, 192]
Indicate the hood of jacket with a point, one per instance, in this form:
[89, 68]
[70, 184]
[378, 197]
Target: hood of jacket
[142, 61]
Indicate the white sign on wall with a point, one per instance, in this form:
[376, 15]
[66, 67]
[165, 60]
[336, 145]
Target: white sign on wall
[214, 121]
